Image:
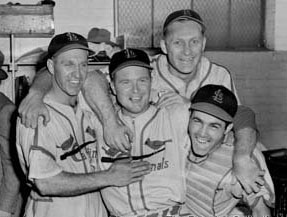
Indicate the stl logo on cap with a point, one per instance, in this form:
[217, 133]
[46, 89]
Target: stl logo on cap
[187, 12]
[72, 37]
[130, 54]
[218, 96]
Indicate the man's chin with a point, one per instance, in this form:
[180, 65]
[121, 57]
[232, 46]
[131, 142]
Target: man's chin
[199, 153]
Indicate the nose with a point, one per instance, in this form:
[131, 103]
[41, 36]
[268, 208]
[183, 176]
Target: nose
[186, 49]
[135, 87]
[202, 131]
[77, 71]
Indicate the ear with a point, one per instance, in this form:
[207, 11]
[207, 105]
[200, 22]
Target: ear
[50, 66]
[203, 44]
[163, 46]
[228, 128]
[112, 85]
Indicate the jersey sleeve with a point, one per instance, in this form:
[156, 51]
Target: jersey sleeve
[245, 117]
[229, 190]
[37, 152]
[267, 190]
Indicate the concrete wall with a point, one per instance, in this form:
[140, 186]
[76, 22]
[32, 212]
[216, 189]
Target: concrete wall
[261, 81]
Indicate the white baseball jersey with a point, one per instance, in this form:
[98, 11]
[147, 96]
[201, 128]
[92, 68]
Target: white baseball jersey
[43, 154]
[210, 188]
[162, 191]
[207, 73]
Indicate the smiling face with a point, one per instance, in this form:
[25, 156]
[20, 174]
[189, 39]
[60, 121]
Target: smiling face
[69, 70]
[206, 132]
[184, 44]
[132, 85]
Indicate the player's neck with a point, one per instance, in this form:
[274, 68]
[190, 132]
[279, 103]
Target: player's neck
[133, 115]
[63, 98]
[185, 77]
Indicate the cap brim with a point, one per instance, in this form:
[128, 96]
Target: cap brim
[212, 110]
[132, 63]
[3, 74]
[107, 42]
[74, 46]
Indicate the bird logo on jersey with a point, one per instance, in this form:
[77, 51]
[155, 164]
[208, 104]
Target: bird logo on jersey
[91, 132]
[111, 151]
[67, 144]
[156, 144]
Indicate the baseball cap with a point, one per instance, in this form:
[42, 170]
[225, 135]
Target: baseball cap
[215, 100]
[181, 15]
[97, 35]
[3, 74]
[128, 57]
[67, 41]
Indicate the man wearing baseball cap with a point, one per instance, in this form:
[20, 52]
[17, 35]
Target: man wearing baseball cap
[60, 159]
[177, 74]
[181, 70]
[212, 189]
[158, 135]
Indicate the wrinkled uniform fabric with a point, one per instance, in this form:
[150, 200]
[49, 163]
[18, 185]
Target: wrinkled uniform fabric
[212, 190]
[39, 152]
[162, 192]
[207, 73]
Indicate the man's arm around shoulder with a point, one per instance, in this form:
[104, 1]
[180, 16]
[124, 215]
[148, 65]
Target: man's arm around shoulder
[32, 105]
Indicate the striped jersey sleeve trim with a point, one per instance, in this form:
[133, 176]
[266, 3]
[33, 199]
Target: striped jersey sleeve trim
[43, 150]
[203, 80]
[230, 75]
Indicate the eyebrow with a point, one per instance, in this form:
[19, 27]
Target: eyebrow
[210, 124]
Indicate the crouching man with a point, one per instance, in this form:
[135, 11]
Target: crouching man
[212, 189]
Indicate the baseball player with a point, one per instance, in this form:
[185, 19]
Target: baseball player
[60, 159]
[176, 76]
[158, 140]
[212, 189]
[182, 70]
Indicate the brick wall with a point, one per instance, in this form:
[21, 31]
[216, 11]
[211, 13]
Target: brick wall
[261, 81]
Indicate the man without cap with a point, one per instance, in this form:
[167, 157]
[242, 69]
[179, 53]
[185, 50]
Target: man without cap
[60, 159]
[212, 189]
[158, 134]
[9, 180]
[177, 75]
